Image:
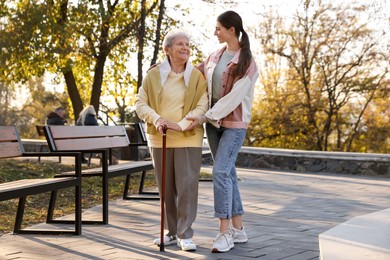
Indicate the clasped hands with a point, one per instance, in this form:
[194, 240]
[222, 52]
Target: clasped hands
[196, 121]
[163, 123]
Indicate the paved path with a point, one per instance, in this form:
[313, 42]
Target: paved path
[285, 213]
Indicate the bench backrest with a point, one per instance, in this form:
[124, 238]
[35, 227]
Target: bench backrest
[83, 138]
[40, 130]
[141, 130]
[10, 144]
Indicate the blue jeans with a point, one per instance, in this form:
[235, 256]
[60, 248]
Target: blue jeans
[225, 144]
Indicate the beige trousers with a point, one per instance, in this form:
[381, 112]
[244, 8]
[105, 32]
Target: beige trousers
[181, 187]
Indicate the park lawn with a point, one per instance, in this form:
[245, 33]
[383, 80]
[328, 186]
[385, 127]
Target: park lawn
[36, 205]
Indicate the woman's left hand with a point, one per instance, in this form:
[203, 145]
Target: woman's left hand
[172, 126]
[196, 121]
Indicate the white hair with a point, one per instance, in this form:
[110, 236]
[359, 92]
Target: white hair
[87, 110]
[172, 35]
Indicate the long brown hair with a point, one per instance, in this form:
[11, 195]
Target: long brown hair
[230, 19]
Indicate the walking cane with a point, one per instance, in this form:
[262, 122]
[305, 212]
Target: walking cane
[162, 195]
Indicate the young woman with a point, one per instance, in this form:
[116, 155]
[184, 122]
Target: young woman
[231, 74]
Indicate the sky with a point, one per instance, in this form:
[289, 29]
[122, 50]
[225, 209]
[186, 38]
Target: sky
[204, 15]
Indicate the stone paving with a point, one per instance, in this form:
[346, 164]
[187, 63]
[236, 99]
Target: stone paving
[285, 213]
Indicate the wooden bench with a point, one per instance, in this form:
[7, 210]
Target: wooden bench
[142, 194]
[141, 131]
[11, 147]
[100, 140]
[41, 132]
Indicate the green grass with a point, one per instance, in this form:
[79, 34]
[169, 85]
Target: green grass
[36, 205]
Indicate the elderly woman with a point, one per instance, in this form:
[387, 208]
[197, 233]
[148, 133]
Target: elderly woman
[87, 116]
[170, 92]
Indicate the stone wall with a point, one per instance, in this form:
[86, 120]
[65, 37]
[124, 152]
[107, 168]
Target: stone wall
[283, 159]
[313, 161]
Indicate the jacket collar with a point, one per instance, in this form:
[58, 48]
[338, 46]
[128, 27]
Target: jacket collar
[234, 59]
[165, 69]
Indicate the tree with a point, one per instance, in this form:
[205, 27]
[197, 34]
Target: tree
[329, 56]
[371, 132]
[5, 98]
[72, 38]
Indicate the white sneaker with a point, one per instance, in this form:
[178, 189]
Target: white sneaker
[223, 242]
[239, 236]
[186, 244]
[168, 240]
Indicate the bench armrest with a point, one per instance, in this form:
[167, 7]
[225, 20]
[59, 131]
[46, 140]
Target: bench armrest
[77, 156]
[51, 154]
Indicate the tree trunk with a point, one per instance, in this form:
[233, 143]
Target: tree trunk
[101, 58]
[141, 41]
[98, 81]
[73, 93]
[158, 32]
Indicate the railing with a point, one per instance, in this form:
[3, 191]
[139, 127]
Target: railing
[313, 161]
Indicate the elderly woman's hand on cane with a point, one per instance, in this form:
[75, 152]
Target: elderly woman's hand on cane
[163, 123]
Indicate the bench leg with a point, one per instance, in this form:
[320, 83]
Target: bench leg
[19, 215]
[142, 182]
[52, 204]
[127, 185]
[41, 150]
[19, 221]
[89, 159]
[140, 190]
[105, 187]
[78, 208]
[78, 220]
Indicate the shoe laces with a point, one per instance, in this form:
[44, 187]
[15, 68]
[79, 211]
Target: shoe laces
[228, 232]
[169, 238]
[186, 241]
[233, 230]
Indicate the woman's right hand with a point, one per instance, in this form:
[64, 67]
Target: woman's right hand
[164, 123]
[196, 121]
